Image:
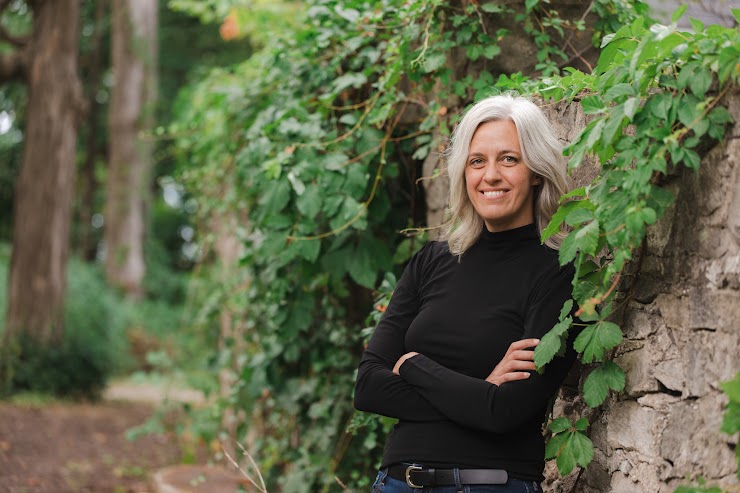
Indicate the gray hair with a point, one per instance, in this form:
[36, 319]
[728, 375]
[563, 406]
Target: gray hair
[541, 152]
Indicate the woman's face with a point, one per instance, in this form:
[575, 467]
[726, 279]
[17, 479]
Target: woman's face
[498, 182]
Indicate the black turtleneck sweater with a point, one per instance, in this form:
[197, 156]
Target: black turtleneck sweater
[461, 318]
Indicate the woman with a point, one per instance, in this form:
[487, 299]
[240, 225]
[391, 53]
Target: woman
[452, 358]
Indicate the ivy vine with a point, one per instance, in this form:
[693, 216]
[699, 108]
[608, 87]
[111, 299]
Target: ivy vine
[654, 95]
[315, 143]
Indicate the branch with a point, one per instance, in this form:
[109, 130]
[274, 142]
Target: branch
[12, 66]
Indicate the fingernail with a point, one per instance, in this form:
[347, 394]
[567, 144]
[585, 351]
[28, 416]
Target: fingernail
[536, 341]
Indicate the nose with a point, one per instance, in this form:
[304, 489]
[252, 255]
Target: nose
[492, 173]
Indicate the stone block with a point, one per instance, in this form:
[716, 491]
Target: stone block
[671, 374]
[638, 369]
[634, 427]
[692, 442]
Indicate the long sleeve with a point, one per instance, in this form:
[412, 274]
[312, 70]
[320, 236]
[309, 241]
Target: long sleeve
[378, 389]
[478, 404]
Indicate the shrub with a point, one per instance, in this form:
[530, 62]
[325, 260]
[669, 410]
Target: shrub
[93, 347]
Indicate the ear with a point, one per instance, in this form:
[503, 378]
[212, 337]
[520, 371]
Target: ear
[537, 180]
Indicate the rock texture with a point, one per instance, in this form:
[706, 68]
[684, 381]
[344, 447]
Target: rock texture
[682, 338]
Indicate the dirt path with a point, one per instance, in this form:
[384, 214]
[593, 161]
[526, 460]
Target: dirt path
[80, 448]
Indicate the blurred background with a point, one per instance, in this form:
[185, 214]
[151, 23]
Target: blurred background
[201, 214]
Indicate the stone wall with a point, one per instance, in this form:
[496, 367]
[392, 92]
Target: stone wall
[682, 338]
[682, 334]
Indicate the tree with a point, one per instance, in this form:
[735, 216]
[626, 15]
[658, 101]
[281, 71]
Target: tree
[47, 60]
[134, 60]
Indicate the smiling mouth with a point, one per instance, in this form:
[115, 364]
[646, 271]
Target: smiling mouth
[494, 193]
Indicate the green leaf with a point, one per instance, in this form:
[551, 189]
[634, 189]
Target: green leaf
[581, 424]
[678, 13]
[582, 449]
[491, 51]
[688, 111]
[720, 115]
[696, 25]
[530, 4]
[308, 249]
[618, 91]
[592, 105]
[361, 267]
[686, 74]
[731, 420]
[350, 79]
[732, 388]
[613, 125]
[700, 81]
[434, 61]
[630, 107]
[568, 248]
[606, 376]
[659, 105]
[563, 211]
[578, 216]
[559, 425]
[552, 343]
[578, 192]
[492, 7]
[565, 311]
[596, 339]
[570, 449]
[555, 444]
[309, 204]
[587, 237]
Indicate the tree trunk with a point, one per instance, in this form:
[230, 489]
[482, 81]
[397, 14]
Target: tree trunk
[134, 57]
[46, 182]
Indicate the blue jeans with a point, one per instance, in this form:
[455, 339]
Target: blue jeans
[385, 484]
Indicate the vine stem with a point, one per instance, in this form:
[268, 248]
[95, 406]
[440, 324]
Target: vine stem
[346, 135]
[426, 38]
[370, 198]
[606, 295]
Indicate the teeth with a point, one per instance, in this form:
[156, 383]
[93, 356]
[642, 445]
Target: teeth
[494, 193]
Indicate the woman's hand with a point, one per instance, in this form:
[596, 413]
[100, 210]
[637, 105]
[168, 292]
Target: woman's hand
[515, 363]
[397, 366]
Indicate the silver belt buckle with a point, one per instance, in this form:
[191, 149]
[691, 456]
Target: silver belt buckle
[408, 476]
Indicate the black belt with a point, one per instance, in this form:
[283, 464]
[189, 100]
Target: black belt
[418, 477]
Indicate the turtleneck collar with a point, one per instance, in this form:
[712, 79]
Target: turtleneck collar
[510, 237]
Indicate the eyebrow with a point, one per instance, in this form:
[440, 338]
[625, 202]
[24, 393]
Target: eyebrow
[503, 151]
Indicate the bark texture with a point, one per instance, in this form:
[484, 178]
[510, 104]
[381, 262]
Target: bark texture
[45, 185]
[134, 58]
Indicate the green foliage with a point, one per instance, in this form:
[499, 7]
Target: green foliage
[731, 421]
[654, 94]
[315, 144]
[569, 445]
[309, 145]
[93, 348]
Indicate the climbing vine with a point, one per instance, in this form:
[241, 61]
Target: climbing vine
[655, 96]
[316, 144]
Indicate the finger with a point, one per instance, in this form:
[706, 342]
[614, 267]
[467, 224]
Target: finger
[519, 366]
[514, 376]
[522, 355]
[523, 344]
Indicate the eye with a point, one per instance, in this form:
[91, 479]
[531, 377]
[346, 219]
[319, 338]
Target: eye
[509, 160]
[476, 162]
